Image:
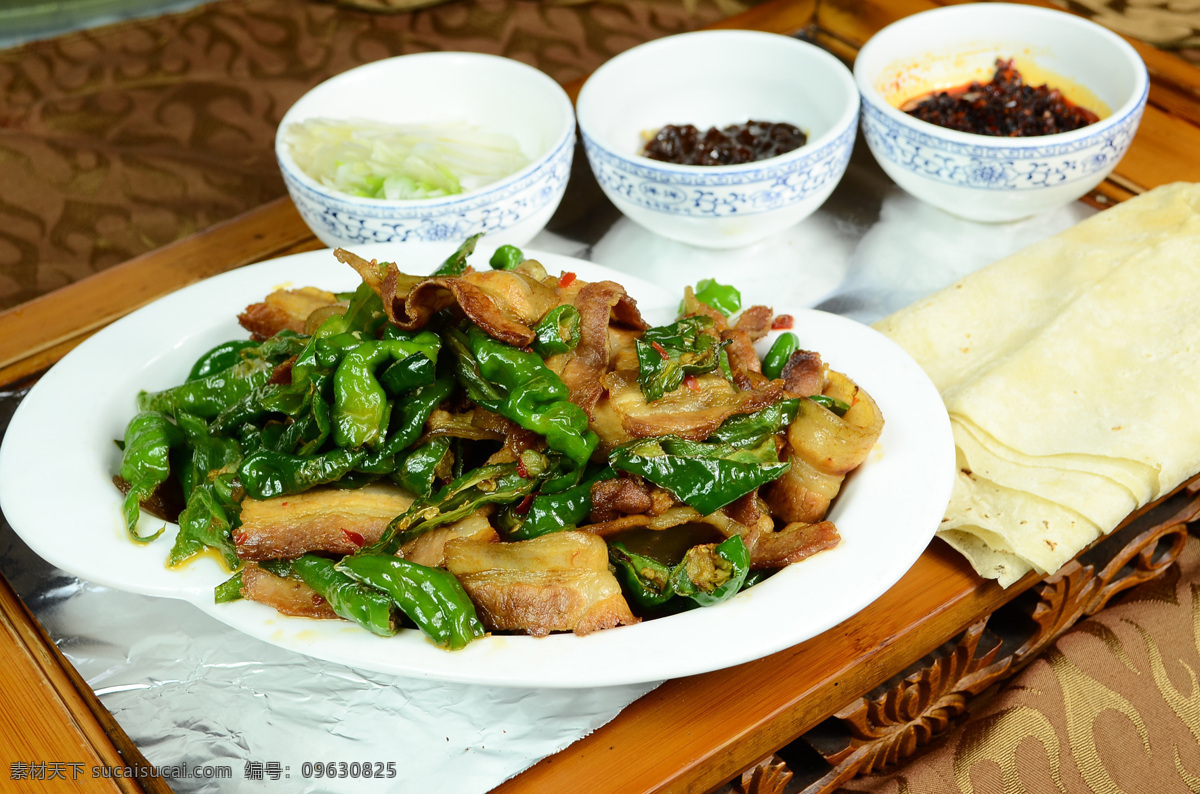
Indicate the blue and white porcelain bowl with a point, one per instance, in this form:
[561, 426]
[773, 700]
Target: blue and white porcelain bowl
[988, 178]
[494, 93]
[717, 78]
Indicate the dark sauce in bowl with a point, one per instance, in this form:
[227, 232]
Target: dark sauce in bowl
[1006, 107]
[736, 143]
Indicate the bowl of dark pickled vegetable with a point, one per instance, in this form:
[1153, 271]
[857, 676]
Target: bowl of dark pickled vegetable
[719, 138]
[994, 111]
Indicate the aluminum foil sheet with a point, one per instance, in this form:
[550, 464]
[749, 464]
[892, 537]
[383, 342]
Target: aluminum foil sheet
[191, 691]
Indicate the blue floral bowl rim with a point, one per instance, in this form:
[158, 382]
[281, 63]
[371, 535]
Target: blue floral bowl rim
[566, 136]
[848, 118]
[1135, 103]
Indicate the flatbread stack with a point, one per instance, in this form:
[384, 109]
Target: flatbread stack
[1071, 373]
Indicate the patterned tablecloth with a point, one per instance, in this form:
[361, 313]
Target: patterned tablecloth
[121, 139]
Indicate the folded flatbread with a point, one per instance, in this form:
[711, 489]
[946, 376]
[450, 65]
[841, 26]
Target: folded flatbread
[1070, 372]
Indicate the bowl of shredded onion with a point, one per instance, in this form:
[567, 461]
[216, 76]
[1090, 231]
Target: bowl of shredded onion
[428, 147]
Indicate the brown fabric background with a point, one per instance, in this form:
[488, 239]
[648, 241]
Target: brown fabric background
[1112, 706]
[118, 140]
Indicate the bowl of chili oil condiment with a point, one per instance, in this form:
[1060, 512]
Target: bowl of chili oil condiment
[1024, 108]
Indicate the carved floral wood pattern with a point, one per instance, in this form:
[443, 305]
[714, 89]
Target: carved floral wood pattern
[883, 729]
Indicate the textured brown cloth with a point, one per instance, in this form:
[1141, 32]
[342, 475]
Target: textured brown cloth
[119, 140]
[1112, 706]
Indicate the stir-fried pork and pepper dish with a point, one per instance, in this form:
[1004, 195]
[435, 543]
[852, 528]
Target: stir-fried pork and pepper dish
[496, 450]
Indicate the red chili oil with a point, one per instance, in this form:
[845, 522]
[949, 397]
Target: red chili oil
[736, 143]
[1005, 107]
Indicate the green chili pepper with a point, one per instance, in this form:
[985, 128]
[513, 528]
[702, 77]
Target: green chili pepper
[647, 582]
[210, 454]
[220, 358]
[667, 353]
[507, 257]
[265, 473]
[558, 331]
[711, 573]
[725, 299]
[431, 597]
[408, 373]
[228, 590]
[360, 406]
[209, 396]
[749, 430]
[364, 605]
[456, 263]
[707, 476]
[518, 386]
[416, 471]
[365, 312]
[207, 521]
[779, 354]
[708, 574]
[553, 512]
[501, 483]
[832, 403]
[411, 414]
[146, 463]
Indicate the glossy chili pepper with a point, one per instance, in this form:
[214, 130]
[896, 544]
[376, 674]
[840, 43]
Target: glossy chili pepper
[366, 606]
[646, 581]
[500, 483]
[456, 263]
[146, 463]
[749, 430]
[506, 257]
[220, 358]
[839, 407]
[557, 332]
[410, 415]
[209, 396]
[360, 406]
[725, 299]
[417, 470]
[265, 473]
[553, 512]
[207, 521]
[711, 573]
[531, 395]
[706, 476]
[364, 313]
[708, 574]
[408, 373]
[777, 357]
[228, 590]
[431, 597]
[667, 353]
[209, 454]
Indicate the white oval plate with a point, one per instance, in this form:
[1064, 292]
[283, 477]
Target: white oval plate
[58, 459]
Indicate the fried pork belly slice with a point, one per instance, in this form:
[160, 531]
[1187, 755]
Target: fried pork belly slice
[795, 542]
[755, 321]
[691, 413]
[506, 304]
[627, 496]
[599, 304]
[823, 448]
[429, 548]
[284, 309]
[804, 374]
[287, 596]
[744, 363]
[558, 582]
[325, 519]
